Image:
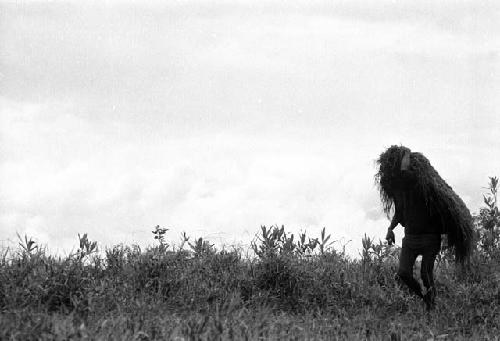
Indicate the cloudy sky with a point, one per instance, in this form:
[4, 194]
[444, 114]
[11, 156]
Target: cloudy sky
[216, 117]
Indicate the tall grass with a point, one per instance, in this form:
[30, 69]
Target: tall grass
[296, 287]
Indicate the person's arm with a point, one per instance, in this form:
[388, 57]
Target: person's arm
[394, 222]
[390, 237]
[408, 177]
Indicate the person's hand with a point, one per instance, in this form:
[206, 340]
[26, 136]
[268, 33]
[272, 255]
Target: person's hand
[390, 237]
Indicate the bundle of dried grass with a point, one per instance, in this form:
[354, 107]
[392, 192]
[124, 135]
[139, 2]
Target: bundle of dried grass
[456, 220]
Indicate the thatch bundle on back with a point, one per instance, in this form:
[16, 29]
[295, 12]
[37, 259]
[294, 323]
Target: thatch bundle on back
[440, 198]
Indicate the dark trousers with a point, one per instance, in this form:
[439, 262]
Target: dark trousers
[427, 245]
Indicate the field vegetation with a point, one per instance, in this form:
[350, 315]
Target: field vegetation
[293, 287]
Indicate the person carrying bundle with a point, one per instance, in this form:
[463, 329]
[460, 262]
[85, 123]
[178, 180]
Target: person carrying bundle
[427, 207]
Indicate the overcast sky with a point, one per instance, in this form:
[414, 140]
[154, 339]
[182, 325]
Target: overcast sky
[216, 117]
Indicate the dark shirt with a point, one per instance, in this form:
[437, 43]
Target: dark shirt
[411, 210]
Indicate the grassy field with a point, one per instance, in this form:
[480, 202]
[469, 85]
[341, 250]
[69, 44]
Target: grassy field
[296, 287]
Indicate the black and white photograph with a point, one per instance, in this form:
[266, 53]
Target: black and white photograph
[249, 170]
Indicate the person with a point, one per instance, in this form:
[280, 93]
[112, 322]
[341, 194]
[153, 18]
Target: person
[422, 235]
[426, 207]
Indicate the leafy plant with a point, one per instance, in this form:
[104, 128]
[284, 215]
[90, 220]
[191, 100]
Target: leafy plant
[86, 247]
[159, 234]
[274, 241]
[488, 220]
[323, 244]
[201, 247]
[28, 246]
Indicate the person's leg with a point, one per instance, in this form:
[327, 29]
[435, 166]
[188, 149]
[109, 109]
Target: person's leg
[405, 271]
[427, 272]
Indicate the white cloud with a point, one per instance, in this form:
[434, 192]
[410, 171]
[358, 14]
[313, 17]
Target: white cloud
[222, 182]
[217, 118]
[217, 185]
